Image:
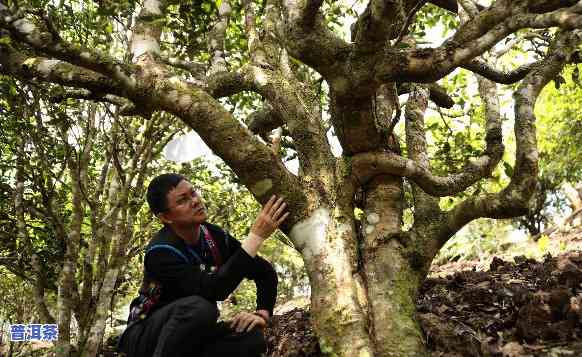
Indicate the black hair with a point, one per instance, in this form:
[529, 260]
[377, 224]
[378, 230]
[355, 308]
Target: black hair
[158, 190]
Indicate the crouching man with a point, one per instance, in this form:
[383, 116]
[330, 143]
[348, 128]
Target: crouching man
[190, 265]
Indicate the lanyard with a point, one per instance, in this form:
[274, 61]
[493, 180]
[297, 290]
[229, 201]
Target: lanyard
[207, 243]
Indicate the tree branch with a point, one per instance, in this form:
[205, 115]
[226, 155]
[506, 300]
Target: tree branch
[289, 102]
[26, 31]
[303, 12]
[256, 50]
[381, 21]
[484, 69]
[265, 50]
[38, 281]
[310, 11]
[471, 40]
[497, 53]
[196, 69]
[225, 84]
[438, 94]
[426, 208]
[146, 32]
[311, 41]
[367, 165]
[54, 71]
[514, 199]
[299, 111]
[216, 39]
[126, 107]
[264, 120]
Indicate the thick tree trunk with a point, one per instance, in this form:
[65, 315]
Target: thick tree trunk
[362, 301]
[391, 282]
[67, 286]
[326, 242]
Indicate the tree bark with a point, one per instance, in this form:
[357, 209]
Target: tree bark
[327, 245]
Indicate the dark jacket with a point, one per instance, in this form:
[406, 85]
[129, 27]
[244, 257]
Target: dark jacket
[180, 273]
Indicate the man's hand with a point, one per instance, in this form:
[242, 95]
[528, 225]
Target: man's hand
[271, 216]
[244, 321]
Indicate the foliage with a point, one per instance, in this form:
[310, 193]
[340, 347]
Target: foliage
[560, 124]
[476, 241]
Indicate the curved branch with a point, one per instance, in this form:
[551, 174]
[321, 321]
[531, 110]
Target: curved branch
[300, 112]
[311, 41]
[264, 120]
[484, 69]
[513, 201]
[225, 84]
[367, 165]
[257, 166]
[290, 103]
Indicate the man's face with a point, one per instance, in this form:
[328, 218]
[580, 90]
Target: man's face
[185, 206]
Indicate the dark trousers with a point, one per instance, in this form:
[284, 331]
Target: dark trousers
[188, 328]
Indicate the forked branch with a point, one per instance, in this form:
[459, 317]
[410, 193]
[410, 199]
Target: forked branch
[472, 39]
[514, 199]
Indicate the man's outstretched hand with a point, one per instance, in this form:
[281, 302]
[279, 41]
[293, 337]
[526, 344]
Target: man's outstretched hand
[270, 217]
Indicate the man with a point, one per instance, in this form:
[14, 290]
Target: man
[188, 266]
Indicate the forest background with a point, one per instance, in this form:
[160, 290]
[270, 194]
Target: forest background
[74, 165]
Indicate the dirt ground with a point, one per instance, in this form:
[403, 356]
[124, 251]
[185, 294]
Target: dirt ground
[522, 307]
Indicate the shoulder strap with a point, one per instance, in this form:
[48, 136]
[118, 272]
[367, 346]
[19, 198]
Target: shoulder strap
[212, 245]
[170, 248]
